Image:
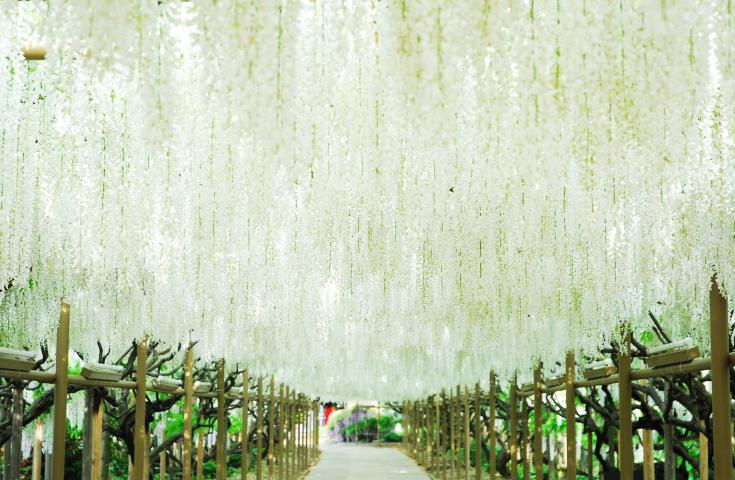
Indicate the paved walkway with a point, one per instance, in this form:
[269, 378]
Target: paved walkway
[341, 461]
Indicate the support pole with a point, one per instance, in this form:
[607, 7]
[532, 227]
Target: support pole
[491, 420]
[60, 392]
[279, 429]
[524, 440]
[259, 432]
[721, 422]
[200, 455]
[625, 411]
[441, 436]
[293, 439]
[97, 443]
[452, 435]
[478, 435]
[538, 452]
[513, 440]
[429, 435]
[162, 462]
[37, 453]
[703, 453]
[590, 447]
[16, 434]
[466, 429]
[221, 468]
[287, 433]
[571, 411]
[140, 417]
[188, 401]
[316, 429]
[271, 430]
[245, 443]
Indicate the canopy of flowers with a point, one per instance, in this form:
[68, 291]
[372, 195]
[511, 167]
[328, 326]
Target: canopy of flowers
[368, 199]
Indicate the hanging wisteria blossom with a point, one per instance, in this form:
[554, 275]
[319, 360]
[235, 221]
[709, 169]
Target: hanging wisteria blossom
[373, 199]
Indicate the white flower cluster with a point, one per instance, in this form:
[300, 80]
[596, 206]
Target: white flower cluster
[368, 199]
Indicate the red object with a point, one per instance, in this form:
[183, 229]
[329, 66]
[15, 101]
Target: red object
[327, 412]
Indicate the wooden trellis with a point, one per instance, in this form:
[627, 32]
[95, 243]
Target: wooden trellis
[298, 438]
[451, 420]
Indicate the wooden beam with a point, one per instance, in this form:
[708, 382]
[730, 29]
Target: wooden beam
[721, 420]
[245, 444]
[538, 451]
[139, 438]
[60, 392]
[221, 449]
[188, 412]
[625, 410]
[491, 420]
[571, 411]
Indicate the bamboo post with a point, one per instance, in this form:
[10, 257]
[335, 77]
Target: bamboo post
[538, 452]
[140, 414]
[188, 401]
[466, 435]
[286, 432]
[478, 435]
[292, 437]
[88, 434]
[316, 428]
[162, 461]
[271, 430]
[429, 435]
[493, 440]
[245, 443]
[452, 435]
[200, 455]
[571, 411]
[279, 429]
[525, 440]
[37, 453]
[624, 409]
[590, 448]
[442, 452]
[304, 433]
[703, 453]
[97, 443]
[16, 434]
[221, 468]
[513, 440]
[147, 457]
[669, 454]
[259, 432]
[721, 421]
[60, 392]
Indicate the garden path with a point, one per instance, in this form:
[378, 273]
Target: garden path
[341, 461]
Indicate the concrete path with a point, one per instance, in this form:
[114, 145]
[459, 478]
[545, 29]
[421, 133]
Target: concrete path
[340, 461]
